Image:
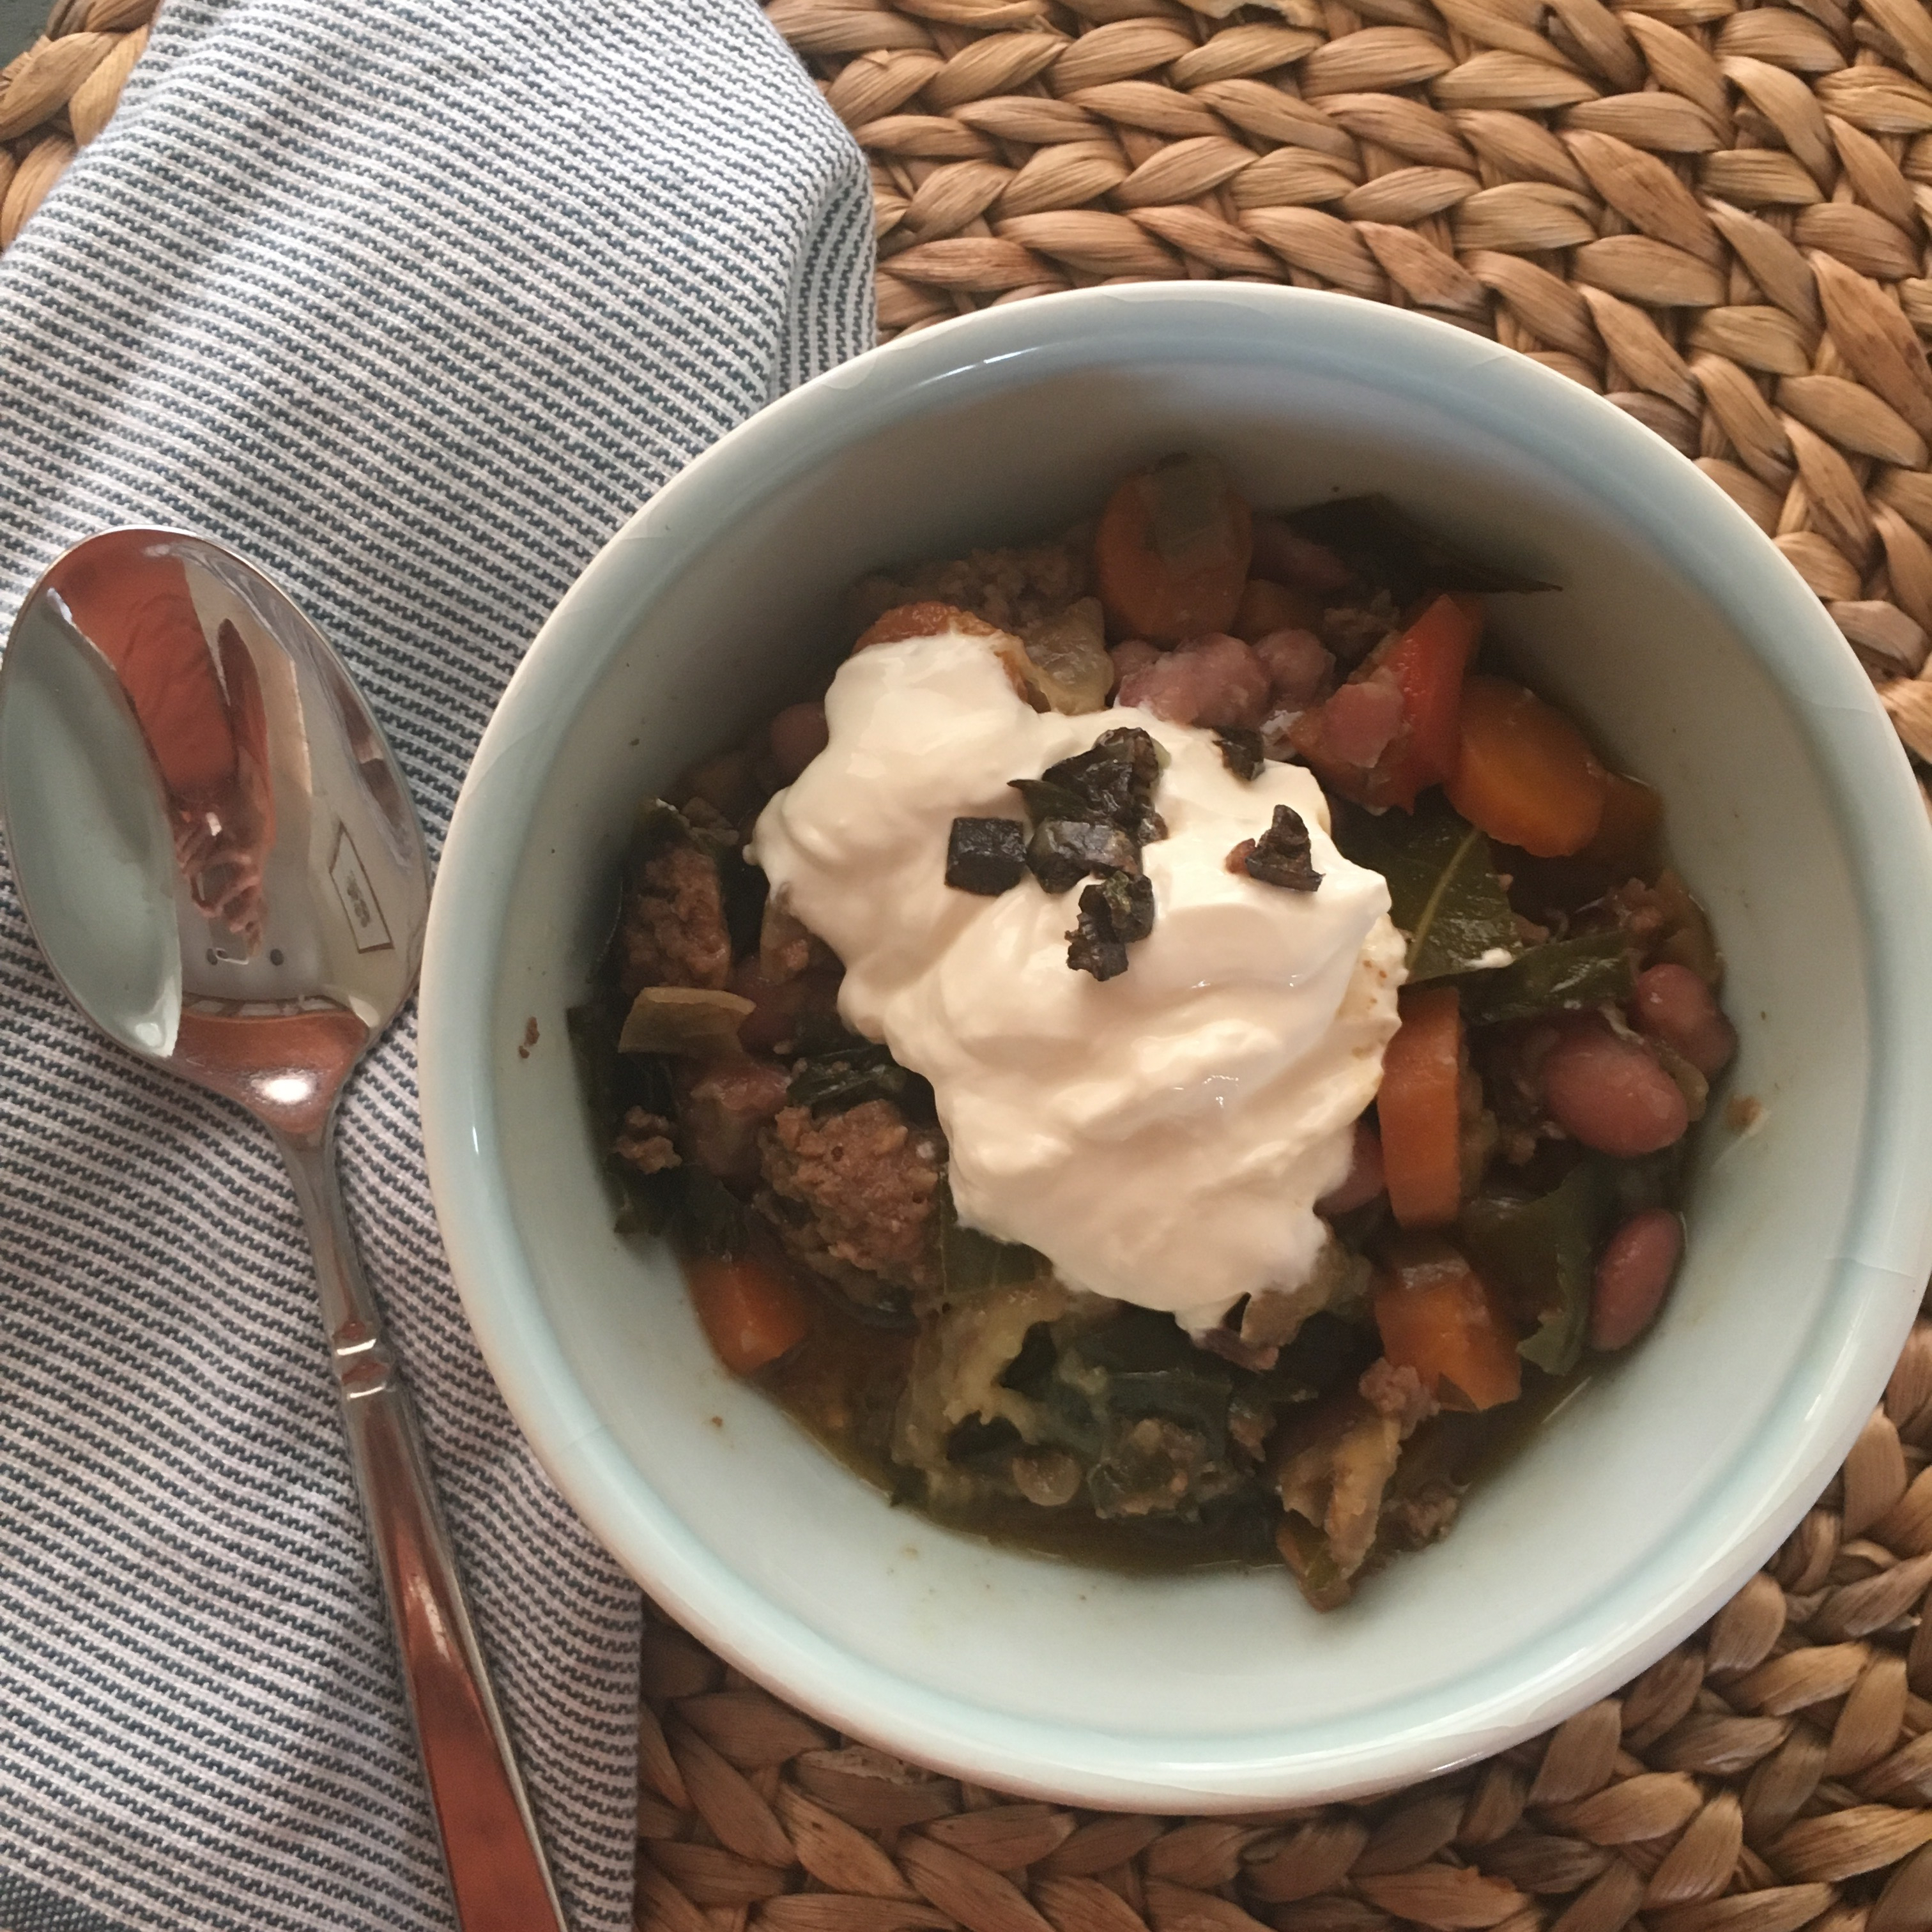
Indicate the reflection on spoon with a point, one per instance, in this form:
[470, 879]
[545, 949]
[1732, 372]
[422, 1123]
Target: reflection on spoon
[200, 710]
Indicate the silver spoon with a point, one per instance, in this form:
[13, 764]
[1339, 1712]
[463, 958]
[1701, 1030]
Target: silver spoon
[220, 860]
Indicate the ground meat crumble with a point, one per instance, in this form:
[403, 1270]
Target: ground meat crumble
[671, 930]
[644, 1142]
[868, 1181]
[1012, 588]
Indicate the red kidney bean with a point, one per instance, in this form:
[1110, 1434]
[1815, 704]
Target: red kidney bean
[1363, 1180]
[1635, 1267]
[798, 734]
[1610, 1093]
[1671, 1003]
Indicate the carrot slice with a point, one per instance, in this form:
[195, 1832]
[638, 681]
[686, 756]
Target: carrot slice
[1525, 774]
[1437, 1316]
[1172, 551]
[1419, 1107]
[1425, 665]
[751, 1312]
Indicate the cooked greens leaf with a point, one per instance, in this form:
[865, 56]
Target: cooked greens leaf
[614, 1083]
[847, 1074]
[712, 1218]
[655, 826]
[745, 890]
[971, 1263]
[1541, 1254]
[1387, 550]
[1444, 892]
[1196, 1395]
[975, 1443]
[1590, 969]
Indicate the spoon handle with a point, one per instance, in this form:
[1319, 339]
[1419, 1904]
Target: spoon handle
[497, 1870]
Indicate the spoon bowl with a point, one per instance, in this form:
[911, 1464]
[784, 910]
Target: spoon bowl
[220, 859]
[216, 851]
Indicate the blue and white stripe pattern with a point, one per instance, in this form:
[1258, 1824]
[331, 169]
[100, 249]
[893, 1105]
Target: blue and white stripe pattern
[413, 306]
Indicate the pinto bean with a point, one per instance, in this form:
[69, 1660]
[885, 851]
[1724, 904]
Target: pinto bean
[1363, 1180]
[1672, 1004]
[1635, 1269]
[1211, 680]
[1297, 665]
[1610, 1093]
[796, 736]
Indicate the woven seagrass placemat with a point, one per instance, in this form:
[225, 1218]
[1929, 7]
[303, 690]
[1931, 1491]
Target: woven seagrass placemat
[1717, 214]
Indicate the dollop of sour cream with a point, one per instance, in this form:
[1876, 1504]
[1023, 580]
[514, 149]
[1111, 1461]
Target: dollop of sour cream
[1162, 1137]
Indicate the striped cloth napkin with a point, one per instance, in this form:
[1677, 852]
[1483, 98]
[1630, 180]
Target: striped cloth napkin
[413, 305]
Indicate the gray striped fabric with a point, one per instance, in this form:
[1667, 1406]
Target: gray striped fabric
[413, 305]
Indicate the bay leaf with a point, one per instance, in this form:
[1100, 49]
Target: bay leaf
[1444, 892]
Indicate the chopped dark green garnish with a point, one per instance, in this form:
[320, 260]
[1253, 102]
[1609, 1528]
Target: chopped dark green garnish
[1241, 751]
[1092, 946]
[1115, 781]
[1063, 851]
[1281, 855]
[1129, 902]
[986, 855]
[1044, 801]
[1113, 915]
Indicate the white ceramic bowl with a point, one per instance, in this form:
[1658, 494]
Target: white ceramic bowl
[1699, 659]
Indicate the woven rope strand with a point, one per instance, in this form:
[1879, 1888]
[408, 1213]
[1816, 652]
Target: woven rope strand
[1771, 1773]
[1714, 214]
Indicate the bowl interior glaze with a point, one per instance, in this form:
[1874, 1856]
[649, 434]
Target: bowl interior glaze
[1700, 663]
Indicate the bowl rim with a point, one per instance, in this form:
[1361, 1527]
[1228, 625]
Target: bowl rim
[1876, 1284]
